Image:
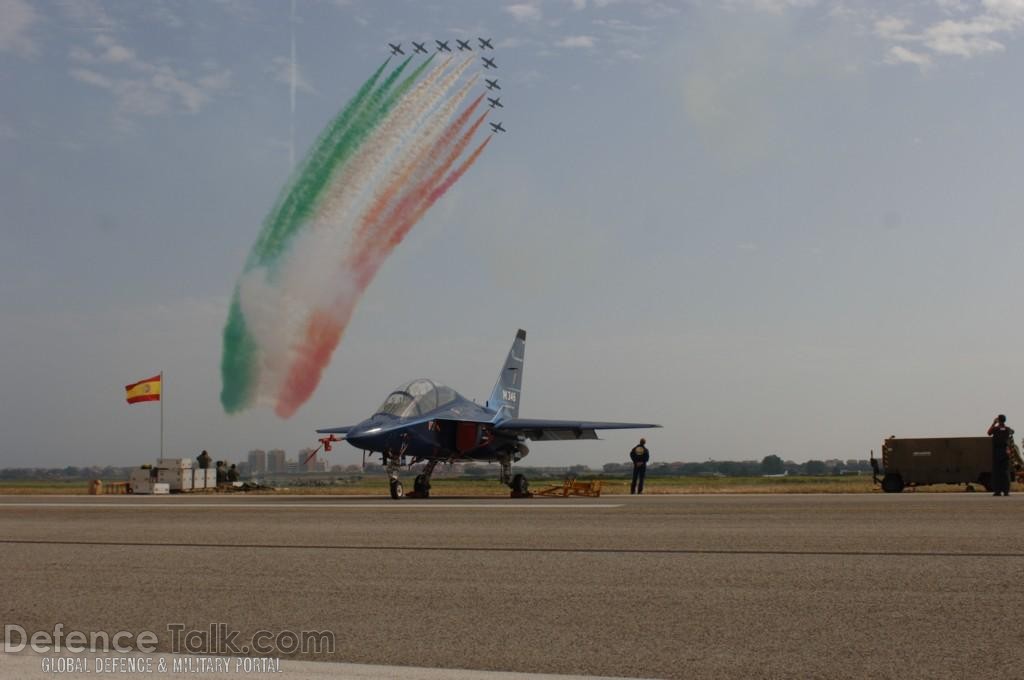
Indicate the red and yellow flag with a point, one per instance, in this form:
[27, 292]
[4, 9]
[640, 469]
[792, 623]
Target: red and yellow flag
[144, 390]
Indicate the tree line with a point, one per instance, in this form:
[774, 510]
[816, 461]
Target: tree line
[769, 465]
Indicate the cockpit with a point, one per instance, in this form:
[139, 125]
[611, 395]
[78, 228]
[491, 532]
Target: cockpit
[417, 398]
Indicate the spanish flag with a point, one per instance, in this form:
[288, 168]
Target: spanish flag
[144, 390]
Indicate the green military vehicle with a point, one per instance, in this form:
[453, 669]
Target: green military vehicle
[939, 460]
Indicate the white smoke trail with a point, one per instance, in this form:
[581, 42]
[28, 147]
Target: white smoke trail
[293, 74]
[308, 276]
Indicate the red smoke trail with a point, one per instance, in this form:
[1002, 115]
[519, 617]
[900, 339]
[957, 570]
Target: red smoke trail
[413, 170]
[391, 231]
[326, 325]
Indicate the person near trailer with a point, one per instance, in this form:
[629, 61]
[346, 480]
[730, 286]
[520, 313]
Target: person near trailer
[203, 459]
[640, 456]
[1001, 434]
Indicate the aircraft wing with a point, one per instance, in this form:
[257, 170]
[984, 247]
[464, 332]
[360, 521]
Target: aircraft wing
[539, 430]
[336, 430]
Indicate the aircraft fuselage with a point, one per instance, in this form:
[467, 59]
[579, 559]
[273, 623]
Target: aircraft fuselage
[459, 431]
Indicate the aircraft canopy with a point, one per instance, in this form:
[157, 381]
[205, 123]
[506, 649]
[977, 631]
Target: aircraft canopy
[417, 398]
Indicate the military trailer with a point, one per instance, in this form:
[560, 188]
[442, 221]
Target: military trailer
[939, 460]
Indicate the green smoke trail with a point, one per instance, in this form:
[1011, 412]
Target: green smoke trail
[335, 145]
[299, 190]
[299, 200]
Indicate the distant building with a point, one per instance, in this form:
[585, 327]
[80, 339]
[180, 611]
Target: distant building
[309, 461]
[257, 462]
[276, 461]
[291, 466]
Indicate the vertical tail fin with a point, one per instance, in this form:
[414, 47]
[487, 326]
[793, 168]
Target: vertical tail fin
[505, 396]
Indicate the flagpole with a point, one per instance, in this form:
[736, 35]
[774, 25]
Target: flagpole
[162, 394]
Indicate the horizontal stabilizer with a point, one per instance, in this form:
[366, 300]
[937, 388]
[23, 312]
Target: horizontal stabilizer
[335, 430]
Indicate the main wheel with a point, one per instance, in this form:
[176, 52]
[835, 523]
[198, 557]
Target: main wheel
[396, 489]
[421, 486]
[520, 487]
[892, 483]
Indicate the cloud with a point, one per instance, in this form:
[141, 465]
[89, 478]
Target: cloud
[576, 41]
[772, 6]
[892, 28]
[965, 38]
[109, 52]
[140, 87]
[579, 4]
[898, 54]
[968, 37]
[154, 90]
[88, 15]
[16, 18]
[281, 71]
[524, 12]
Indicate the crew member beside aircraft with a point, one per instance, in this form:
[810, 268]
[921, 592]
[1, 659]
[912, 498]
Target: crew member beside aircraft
[640, 457]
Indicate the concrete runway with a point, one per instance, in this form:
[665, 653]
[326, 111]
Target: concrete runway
[788, 586]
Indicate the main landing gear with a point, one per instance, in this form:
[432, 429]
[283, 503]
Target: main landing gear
[421, 487]
[518, 483]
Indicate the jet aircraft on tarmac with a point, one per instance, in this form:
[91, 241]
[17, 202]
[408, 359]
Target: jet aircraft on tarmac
[492, 84]
[419, 47]
[489, 63]
[396, 49]
[485, 44]
[495, 102]
[427, 422]
[442, 46]
[463, 45]
[496, 127]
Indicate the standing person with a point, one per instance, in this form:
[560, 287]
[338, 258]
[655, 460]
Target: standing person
[203, 459]
[1001, 435]
[639, 455]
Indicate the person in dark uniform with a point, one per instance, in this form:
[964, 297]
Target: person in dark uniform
[1001, 435]
[639, 455]
[232, 475]
[222, 473]
[204, 460]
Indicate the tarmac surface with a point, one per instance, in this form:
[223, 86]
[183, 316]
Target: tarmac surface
[718, 586]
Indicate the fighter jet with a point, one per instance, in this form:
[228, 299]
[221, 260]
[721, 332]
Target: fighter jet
[492, 84]
[418, 47]
[495, 102]
[496, 127]
[463, 45]
[396, 49]
[489, 63]
[485, 43]
[422, 421]
[442, 46]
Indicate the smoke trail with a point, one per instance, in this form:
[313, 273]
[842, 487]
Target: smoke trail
[291, 138]
[373, 172]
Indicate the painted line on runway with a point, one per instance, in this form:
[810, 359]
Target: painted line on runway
[311, 506]
[512, 549]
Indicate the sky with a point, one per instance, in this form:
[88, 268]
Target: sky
[782, 227]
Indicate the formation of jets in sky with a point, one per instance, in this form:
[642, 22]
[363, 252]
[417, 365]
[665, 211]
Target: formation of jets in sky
[462, 46]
